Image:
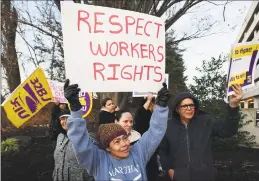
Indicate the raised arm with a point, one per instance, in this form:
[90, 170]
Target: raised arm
[229, 126]
[88, 155]
[148, 102]
[150, 140]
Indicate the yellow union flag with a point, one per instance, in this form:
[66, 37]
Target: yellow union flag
[28, 98]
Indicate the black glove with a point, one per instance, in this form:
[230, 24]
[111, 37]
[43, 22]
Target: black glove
[71, 93]
[163, 96]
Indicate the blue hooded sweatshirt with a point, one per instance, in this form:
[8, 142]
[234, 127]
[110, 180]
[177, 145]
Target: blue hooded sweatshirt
[101, 164]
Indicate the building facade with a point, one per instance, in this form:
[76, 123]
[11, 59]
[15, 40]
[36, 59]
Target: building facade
[250, 105]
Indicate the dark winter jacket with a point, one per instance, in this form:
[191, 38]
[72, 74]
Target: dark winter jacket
[141, 124]
[142, 120]
[66, 166]
[187, 149]
[106, 117]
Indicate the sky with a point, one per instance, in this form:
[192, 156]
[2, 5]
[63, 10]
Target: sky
[223, 34]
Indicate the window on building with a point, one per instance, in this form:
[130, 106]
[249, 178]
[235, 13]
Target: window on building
[242, 104]
[257, 118]
[251, 103]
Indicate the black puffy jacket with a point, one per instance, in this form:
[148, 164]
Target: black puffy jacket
[187, 149]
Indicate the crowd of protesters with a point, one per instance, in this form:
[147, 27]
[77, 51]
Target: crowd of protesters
[146, 146]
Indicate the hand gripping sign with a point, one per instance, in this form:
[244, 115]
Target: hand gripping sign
[85, 98]
[86, 101]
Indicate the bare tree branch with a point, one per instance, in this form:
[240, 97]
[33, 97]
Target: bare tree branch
[36, 64]
[140, 4]
[154, 8]
[198, 34]
[163, 8]
[180, 12]
[224, 9]
[40, 29]
[147, 5]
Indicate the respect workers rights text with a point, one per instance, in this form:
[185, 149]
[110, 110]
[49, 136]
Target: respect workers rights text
[109, 50]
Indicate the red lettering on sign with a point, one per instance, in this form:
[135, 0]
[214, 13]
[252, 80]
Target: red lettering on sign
[115, 24]
[114, 48]
[148, 70]
[98, 69]
[129, 20]
[158, 29]
[124, 72]
[145, 28]
[151, 52]
[158, 73]
[144, 51]
[124, 46]
[136, 72]
[99, 49]
[127, 72]
[83, 16]
[138, 26]
[160, 53]
[96, 22]
[114, 71]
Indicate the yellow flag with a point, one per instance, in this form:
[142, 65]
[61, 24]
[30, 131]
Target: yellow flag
[28, 98]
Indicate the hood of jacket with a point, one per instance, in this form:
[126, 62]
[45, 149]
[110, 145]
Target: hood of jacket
[177, 101]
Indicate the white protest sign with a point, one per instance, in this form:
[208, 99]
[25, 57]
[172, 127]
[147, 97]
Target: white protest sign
[112, 50]
[144, 94]
[243, 59]
[57, 91]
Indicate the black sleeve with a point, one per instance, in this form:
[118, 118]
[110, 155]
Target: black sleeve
[106, 117]
[142, 120]
[229, 126]
[164, 154]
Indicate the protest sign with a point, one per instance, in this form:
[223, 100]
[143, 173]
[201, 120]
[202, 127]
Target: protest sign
[144, 94]
[28, 98]
[243, 59]
[85, 98]
[112, 50]
[86, 101]
[57, 91]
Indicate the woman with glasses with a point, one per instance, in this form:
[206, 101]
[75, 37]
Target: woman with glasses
[185, 151]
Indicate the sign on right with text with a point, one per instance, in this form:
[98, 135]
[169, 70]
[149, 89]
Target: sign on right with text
[242, 65]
